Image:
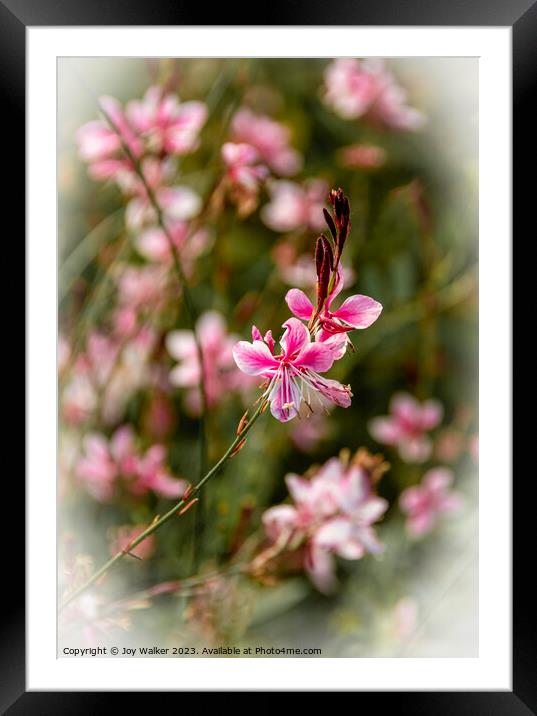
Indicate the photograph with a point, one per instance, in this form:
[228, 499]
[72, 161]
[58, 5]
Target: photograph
[267, 357]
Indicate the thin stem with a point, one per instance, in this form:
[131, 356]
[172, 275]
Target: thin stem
[185, 500]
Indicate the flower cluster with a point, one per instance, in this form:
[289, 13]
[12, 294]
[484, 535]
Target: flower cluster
[158, 125]
[332, 514]
[146, 136]
[258, 146]
[294, 207]
[294, 384]
[220, 377]
[108, 371]
[355, 88]
[104, 463]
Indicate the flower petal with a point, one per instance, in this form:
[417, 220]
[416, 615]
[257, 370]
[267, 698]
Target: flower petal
[181, 344]
[316, 356]
[385, 430]
[254, 358]
[299, 304]
[431, 414]
[279, 519]
[438, 480]
[359, 311]
[320, 567]
[295, 338]
[285, 398]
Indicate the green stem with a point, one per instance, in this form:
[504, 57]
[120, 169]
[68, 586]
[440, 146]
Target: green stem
[157, 524]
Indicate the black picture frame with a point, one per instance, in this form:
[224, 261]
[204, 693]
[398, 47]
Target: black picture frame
[521, 15]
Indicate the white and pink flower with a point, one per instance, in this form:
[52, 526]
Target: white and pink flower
[356, 312]
[220, 378]
[362, 156]
[294, 207]
[156, 125]
[294, 380]
[270, 138]
[407, 426]
[424, 504]
[245, 175]
[104, 463]
[332, 514]
[165, 124]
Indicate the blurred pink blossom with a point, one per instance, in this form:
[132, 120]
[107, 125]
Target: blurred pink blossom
[178, 203]
[153, 475]
[140, 286]
[362, 156]
[164, 123]
[103, 463]
[293, 206]
[111, 368]
[293, 376]
[332, 514]
[153, 244]
[308, 433]
[425, 503]
[101, 147]
[244, 167]
[407, 425]
[219, 371]
[270, 138]
[159, 125]
[355, 88]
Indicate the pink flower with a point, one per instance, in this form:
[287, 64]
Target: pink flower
[362, 156]
[78, 399]
[140, 286]
[355, 312]
[153, 244]
[100, 145]
[332, 514]
[407, 425]
[245, 175]
[104, 462]
[293, 375]
[270, 138]
[152, 475]
[159, 124]
[219, 374]
[243, 165]
[165, 124]
[355, 88]
[178, 203]
[295, 207]
[425, 503]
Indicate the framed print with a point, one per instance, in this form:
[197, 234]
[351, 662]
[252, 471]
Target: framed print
[269, 394]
